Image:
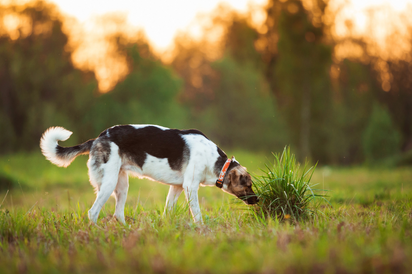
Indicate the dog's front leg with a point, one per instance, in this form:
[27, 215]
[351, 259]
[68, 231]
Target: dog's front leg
[191, 192]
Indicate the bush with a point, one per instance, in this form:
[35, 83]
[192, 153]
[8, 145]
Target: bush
[284, 191]
[380, 138]
[6, 182]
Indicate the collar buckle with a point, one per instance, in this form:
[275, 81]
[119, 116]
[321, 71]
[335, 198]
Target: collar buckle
[219, 183]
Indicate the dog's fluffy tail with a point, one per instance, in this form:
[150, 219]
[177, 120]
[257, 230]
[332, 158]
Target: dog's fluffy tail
[61, 156]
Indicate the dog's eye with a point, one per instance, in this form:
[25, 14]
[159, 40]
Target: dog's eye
[243, 180]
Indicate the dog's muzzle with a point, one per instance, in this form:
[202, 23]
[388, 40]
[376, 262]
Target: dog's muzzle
[250, 199]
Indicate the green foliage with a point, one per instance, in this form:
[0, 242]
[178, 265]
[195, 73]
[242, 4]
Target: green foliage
[352, 104]
[398, 99]
[285, 191]
[242, 109]
[380, 139]
[39, 85]
[148, 94]
[41, 88]
[239, 42]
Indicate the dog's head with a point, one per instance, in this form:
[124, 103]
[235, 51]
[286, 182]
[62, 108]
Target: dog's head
[240, 185]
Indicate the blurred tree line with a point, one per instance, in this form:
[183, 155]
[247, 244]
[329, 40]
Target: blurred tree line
[253, 89]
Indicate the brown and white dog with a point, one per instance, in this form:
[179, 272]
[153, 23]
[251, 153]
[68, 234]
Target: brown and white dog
[183, 159]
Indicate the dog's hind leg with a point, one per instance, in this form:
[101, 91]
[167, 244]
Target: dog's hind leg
[104, 175]
[120, 193]
[172, 196]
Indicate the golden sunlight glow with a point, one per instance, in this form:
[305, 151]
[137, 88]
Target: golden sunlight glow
[94, 51]
[386, 23]
[383, 25]
[15, 25]
[90, 25]
[160, 20]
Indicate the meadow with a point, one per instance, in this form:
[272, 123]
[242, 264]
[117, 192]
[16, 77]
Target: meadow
[44, 226]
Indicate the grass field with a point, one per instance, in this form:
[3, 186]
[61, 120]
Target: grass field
[44, 226]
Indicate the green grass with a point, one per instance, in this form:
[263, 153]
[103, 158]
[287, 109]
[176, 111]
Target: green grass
[44, 226]
[284, 190]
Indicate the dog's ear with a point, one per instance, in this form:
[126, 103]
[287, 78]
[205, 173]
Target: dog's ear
[234, 177]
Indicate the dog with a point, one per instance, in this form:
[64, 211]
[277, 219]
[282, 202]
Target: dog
[183, 159]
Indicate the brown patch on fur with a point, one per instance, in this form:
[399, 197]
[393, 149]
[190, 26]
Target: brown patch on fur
[241, 185]
[101, 152]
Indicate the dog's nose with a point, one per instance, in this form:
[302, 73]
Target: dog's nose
[253, 200]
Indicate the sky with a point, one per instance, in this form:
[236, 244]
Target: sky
[162, 19]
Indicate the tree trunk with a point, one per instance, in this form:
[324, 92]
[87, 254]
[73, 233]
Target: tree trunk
[305, 124]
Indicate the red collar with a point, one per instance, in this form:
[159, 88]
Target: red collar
[219, 181]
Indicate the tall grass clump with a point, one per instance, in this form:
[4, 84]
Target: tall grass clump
[285, 191]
